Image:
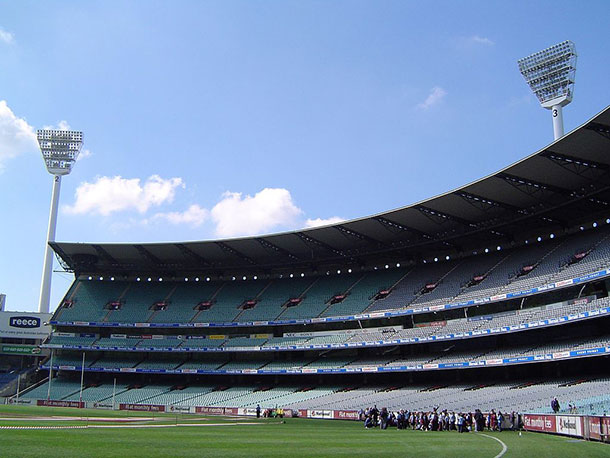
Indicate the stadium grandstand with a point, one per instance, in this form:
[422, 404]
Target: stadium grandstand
[493, 295]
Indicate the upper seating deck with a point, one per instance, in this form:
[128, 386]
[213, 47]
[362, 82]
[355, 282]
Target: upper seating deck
[227, 302]
[88, 300]
[271, 301]
[362, 293]
[336, 294]
[138, 300]
[317, 298]
[181, 307]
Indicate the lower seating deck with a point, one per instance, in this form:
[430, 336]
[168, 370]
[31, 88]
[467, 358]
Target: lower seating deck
[590, 396]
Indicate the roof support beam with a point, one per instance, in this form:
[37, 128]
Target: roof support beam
[226, 248]
[601, 129]
[394, 227]
[310, 241]
[484, 203]
[356, 235]
[187, 252]
[64, 265]
[276, 249]
[530, 187]
[62, 258]
[441, 218]
[534, 187]
[578, 166]
[104, 254]
[148, 255]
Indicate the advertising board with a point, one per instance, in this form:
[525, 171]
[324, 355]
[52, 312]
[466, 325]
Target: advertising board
[142, 407]
[541, 423]
[210, 410]
[320, 414]
[568, 425]
[593, 425]
[16, 349]
[53, 403]
[24, 325]
[346, 414]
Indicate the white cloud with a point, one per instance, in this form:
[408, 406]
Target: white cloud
[235, 214]
[61, 125]
[194, 216]
[16, 135]
[6, 37]
[437, 94]
[323, 221]
[481, 40]
[113, 194]
[270, 208]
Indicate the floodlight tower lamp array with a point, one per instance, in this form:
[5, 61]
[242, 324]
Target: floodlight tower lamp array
[550, 74]
[60, 149]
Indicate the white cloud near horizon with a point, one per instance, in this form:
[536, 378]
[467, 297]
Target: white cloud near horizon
[193, 216]
[323, 221]
[16, 135]
[235, 214]
[6, 37]
[437, 94]
[239, 215]
[107, 195]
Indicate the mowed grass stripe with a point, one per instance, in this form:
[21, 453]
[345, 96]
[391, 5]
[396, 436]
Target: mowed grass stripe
[294, 438]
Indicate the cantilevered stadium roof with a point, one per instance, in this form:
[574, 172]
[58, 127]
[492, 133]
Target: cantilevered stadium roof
[554, 190]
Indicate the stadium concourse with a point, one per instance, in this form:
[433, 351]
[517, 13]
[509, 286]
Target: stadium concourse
[491, 296]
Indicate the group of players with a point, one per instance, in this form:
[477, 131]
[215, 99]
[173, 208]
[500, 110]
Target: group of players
[442, 420]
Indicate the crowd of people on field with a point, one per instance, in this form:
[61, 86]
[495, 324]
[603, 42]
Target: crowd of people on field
[439, 420]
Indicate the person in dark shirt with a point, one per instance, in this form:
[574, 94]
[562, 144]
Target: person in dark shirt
[384, 418]
[555, 405]
[375, 415]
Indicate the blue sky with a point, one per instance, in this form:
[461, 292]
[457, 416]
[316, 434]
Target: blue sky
[208, 119]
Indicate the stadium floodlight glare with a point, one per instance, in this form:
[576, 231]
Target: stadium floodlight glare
[550, 74]
[60, 149]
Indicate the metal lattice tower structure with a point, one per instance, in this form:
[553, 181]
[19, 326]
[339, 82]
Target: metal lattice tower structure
[60, 149]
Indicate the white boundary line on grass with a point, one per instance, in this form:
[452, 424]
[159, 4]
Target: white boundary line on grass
[504, 447]
[129, 426]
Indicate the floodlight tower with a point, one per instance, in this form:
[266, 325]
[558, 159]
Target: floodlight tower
[59, 149]
[550, 74]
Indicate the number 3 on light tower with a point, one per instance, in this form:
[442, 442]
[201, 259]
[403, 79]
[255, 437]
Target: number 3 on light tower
[554, 112]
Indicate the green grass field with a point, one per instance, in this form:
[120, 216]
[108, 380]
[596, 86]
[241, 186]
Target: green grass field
[249, 437]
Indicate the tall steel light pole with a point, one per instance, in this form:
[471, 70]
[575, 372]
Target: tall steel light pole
[550, 74]
[59, 149]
